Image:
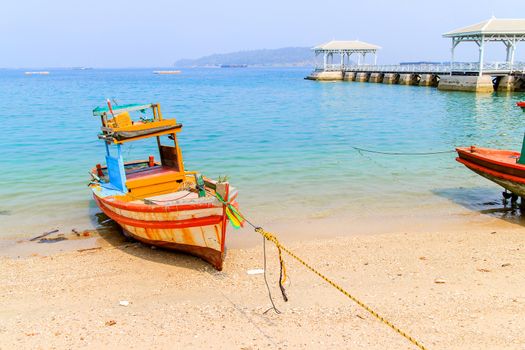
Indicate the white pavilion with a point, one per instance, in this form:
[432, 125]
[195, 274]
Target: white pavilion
[506, 31]
[345, 49]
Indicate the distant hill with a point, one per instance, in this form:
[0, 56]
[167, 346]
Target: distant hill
[287, 56]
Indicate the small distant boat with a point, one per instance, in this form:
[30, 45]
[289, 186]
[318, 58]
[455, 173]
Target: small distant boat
[521, 104]
[37, 73]
[160, 203]
[167, 72]
[233, 65]
[504, 167]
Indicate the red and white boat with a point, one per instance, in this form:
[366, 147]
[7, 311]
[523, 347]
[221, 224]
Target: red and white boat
[160, 203]
[500, 166]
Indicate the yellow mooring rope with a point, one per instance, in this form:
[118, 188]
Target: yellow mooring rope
[272, 238]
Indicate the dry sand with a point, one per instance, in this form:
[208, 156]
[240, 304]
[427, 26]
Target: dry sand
[71, 299]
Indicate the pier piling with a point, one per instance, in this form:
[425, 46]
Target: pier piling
[362, 76]
[511, 83]
[428, 80]
[349, 76]
[376, 78]
[390, 78]
[471, 83]
[409, 79]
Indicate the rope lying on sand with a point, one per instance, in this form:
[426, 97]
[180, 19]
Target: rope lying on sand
[282, 276]
[272, 238]
[358, 149]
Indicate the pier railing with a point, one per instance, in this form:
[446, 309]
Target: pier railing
[445, 68]
[489, 67]
[401, 68]
[388, 68]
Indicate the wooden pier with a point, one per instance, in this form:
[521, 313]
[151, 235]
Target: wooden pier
[478, 76]
[457, 76]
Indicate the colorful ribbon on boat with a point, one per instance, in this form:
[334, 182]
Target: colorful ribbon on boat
[236, 218]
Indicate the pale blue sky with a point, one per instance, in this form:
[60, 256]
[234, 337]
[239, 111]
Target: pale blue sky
[118, 33]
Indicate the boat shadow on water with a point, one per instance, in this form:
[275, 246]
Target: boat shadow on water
[113, 236]
[487, 201]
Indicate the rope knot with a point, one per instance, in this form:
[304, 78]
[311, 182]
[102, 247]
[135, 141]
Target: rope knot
[269, 236]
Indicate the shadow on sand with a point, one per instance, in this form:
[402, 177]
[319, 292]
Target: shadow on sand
[488, 201]
[113, 235]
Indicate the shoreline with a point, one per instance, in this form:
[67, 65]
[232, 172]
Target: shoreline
[445, 218]
[71, 299]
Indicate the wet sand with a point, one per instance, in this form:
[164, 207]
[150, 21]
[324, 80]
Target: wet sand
[71, 299]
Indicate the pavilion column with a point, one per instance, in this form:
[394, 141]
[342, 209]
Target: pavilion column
[511, 46]
[454, 44]
[452, 57]
[481, 54]
[375, 58]
[512, 51]
[324, 60]
[342, 60]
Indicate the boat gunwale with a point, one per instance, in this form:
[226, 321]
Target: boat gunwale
[183, 223]
[494, 173]
[158, 208]
[467, 152]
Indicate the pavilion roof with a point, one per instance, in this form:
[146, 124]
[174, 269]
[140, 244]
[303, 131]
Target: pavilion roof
[349, 45]
[492, 26]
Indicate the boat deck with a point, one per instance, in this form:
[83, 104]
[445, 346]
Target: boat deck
[174, 196]
[150, 172]
[179, 197]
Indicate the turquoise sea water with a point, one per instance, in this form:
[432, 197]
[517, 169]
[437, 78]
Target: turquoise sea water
[285, 142]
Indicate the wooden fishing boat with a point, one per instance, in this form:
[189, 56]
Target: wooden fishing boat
[160, 203]
[504, 167]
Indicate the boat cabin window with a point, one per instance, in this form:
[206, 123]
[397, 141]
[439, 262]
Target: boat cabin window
[169, 154]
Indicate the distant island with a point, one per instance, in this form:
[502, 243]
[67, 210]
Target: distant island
[283, 57]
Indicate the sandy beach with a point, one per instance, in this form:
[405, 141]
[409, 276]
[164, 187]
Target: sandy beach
[455, 287]
[379, 166]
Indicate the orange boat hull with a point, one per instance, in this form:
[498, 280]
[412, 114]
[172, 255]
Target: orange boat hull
[499, 166]
[197, 228]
